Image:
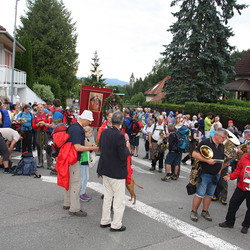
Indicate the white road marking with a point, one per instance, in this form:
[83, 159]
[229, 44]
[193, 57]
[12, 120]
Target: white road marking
[141, 170]
[170, 221]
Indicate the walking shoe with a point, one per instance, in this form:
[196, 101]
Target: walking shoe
[152, 169]
[146, 156]
[225, 224]
[79, 213]
[84, 197]
[215, 198]
[206, 215]
[223, 202]
[104, 226]
[166, 177]
[244, 230]
[174, 177]
[6, 171]
[194, 216]
[66, 207]
[160, 170]
[53, 172]
[88, 196]
[121, 229]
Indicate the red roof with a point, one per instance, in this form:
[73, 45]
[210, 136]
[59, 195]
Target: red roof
[2, 28]
[243, 66]
[156, 91]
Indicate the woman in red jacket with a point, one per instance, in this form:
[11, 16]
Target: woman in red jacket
[241, 192]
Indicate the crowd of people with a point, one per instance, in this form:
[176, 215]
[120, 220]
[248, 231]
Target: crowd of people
[118, 140]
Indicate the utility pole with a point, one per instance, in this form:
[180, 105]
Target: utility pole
[13, 58]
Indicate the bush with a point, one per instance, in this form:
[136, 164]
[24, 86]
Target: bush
[166, 106]
[225, 111]
[235, 102]
[43, 91]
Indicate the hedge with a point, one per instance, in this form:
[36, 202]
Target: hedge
[228, 112]
[167, 106]
[225, 111]
[236, 102]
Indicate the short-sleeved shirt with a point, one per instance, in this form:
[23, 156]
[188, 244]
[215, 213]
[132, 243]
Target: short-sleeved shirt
[156, 129]
[207, 121]
[218, 154]
[9, 134]
[77, 135]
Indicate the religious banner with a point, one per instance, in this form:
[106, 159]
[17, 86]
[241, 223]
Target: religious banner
[92, 98]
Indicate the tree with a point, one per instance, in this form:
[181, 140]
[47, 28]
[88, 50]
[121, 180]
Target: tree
[199, 54]
[138, 99]
[43, 91]
[95, 79]
[24, 60]
[53, 38]
[53, 83]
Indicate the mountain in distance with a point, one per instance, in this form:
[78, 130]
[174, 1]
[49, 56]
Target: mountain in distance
[115, 82]
[111, 81]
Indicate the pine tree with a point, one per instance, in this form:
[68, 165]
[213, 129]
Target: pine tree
[53, 38]
[95, 79]
[24, 60]
[199, 54]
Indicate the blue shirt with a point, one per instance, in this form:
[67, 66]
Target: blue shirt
[28, 124]
[58, 115]
[77, 135]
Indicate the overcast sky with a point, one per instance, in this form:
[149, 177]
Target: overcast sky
[128, 34]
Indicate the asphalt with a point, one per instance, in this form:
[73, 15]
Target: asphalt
[31, 215]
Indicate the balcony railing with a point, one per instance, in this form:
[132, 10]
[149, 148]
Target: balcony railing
[5, 77]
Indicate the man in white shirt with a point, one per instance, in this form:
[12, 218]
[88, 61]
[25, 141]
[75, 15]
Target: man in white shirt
[156, 134]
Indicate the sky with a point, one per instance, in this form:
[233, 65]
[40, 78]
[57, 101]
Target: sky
[128, 35]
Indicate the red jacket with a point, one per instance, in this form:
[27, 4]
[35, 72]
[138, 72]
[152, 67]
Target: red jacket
[103, 126]
[240, 170]
[41, 117]
[67, 156]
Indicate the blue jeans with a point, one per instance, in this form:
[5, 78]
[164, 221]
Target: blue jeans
[84, 170]
[207, 186]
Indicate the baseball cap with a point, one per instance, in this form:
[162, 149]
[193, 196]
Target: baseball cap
[247, 131]
[171, 112]
[230, 121]
[87, 115]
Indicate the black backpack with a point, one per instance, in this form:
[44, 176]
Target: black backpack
[26, 166]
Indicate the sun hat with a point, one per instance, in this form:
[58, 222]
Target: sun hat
[87, 115]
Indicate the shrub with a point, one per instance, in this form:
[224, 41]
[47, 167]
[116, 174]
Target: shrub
[43, 91]
[235, 102]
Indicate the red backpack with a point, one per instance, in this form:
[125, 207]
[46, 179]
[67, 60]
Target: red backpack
[59, 137]
[68, 117]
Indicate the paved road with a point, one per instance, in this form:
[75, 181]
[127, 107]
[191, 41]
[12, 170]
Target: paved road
[31, 216]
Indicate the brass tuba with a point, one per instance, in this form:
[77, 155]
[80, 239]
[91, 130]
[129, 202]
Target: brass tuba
[207, 153]
[230, 146]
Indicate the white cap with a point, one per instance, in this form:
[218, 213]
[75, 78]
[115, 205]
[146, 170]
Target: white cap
[87, 115]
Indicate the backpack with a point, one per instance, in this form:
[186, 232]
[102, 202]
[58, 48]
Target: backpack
[6, 122]
[134, 127]
[59, 137]
[26, 166]
[182, 139]
[68, 118]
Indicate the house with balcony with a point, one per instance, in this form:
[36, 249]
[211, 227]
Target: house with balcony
[21, 92]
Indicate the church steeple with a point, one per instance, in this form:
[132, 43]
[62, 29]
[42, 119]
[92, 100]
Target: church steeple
[132, 80]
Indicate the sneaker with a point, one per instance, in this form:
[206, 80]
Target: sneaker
[225, 224]
[244, 230]
[66, 207]
[166, 177]
[160, 170]
[152, 169]
[206, 215]
[84, 197]
[88, 196]
[194, 216]
[223, 202]
[79, 213]
[121, 229]
[53, 172]
[174, 177]
[215, 198]
[6, 171]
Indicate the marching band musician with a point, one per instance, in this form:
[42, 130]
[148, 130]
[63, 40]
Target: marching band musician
[211, 169]
[241, 192]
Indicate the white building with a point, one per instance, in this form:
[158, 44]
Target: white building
[21, 91]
